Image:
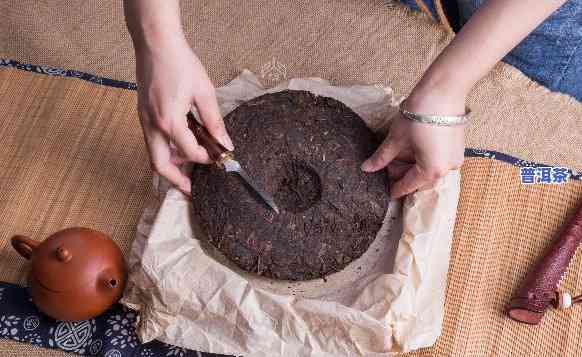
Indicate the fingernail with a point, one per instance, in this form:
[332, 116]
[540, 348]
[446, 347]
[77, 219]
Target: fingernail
[185, 187]
[227, 142]
[367, 166]
[185, 190]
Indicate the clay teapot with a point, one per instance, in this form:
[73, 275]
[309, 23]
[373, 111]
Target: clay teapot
[76, 273]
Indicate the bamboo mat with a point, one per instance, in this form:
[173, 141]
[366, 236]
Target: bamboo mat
[72, 154]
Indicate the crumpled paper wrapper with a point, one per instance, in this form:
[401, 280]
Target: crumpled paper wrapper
[389, 300]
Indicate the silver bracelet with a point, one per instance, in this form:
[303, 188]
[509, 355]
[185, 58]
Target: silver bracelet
[441, 120]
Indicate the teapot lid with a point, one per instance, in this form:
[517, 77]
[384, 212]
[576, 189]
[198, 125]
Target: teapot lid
[73, 258]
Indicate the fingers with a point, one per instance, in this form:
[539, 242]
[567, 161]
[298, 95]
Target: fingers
[397, 169]
[187, 144]
[176, 157]
[210, 115]
[382, 157]
[173, 174]
[415, 179]
[411, 181]
[174, 127]
[160, 156]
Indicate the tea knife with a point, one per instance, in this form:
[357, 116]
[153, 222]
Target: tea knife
[224, 158]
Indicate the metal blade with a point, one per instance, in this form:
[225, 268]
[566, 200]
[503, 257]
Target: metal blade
[233, 166]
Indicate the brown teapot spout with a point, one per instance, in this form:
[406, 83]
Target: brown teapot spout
[24, 245]
[111, 281]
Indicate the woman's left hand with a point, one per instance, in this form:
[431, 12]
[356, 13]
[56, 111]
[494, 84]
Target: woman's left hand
[416, 155]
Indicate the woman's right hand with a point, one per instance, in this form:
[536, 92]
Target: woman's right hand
[171, 80]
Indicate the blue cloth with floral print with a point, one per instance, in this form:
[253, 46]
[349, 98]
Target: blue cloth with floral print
[111, 334]
[551, 55]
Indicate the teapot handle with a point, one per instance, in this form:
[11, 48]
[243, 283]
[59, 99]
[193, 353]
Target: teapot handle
[24, 245]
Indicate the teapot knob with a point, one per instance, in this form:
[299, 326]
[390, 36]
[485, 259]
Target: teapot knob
[63, 254]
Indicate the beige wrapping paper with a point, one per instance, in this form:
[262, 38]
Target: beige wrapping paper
[389, 300]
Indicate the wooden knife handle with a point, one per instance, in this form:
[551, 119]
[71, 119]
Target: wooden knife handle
[216, 151]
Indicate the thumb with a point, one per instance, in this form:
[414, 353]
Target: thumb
[412, 181]
[382, 157]
[212, 120]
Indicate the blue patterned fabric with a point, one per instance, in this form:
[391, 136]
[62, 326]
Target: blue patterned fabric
[53, 71]
[110, 335]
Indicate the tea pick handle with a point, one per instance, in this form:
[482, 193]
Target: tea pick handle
[217, 152]
[24, 245]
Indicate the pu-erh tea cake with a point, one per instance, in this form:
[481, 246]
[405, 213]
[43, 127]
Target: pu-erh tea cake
[306, 151]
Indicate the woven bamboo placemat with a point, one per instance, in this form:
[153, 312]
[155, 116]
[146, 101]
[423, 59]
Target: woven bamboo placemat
[72, 154]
